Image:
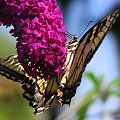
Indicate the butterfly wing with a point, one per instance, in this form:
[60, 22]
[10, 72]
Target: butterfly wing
[39, 92]
[87, 47]
[11, 68]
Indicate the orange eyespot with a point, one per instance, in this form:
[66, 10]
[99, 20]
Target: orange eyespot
[60, 93]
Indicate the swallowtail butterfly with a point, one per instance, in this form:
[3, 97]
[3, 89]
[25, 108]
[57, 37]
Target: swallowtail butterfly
[41, 93]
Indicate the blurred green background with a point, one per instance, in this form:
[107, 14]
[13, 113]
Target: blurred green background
[97, 88]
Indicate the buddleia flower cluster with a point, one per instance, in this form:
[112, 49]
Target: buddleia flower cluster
[40, 33]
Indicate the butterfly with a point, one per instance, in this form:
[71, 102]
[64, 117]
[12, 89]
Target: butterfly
[84, 52]
[40, 92]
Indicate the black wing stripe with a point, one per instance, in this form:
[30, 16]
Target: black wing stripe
[83, 55]
[51, 87]
[78, 56]
[11, 69]
[104, 30]
[11, 74]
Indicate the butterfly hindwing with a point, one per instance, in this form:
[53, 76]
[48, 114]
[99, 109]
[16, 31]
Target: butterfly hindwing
[39, 92]
[85, 50]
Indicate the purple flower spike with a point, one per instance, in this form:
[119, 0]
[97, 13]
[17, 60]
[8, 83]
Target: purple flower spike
[41, 35]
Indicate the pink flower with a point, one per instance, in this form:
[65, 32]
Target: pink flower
[41, 35]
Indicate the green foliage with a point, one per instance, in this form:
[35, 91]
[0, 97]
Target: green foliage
[2, 117]
[115, 93]
[7, 43]
[15, 107]
[92, 77]
[115, 82]
[94, 80]
[100, 90]
[85, 104]
[81, 113]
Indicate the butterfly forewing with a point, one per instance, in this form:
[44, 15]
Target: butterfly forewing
[11, 68]
[87, 47]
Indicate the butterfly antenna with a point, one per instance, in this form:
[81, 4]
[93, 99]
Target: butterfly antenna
[85, 28]
[69, 35]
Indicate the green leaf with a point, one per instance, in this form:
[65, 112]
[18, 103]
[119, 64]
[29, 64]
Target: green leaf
[81, 113]
[93, 79]
[115, 82]
[115, 93]
[3, 117]
[85, 104]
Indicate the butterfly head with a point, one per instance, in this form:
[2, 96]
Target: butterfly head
[74, 37]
